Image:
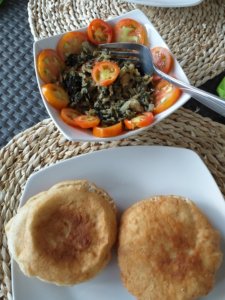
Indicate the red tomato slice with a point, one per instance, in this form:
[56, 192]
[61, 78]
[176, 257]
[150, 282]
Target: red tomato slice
[163, 60]
[85, 121]
[49, 65]
[109, 131]
[99, 32]
[70, 43]
[68, 115]
[129, 30]
[105, 73]
[55, 95]
[140, 121]
[165, 95]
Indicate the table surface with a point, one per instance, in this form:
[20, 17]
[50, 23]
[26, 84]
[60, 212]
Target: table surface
[21, 105]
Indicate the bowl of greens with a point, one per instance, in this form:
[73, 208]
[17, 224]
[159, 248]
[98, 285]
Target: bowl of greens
[91, 95]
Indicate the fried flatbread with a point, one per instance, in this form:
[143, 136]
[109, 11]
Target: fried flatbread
[168, 250]
[64, 235]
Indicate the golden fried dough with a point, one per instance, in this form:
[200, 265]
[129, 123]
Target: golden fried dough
[64, 235]
[167, 250]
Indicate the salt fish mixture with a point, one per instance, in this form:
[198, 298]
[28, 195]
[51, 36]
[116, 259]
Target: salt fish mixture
[129, 95]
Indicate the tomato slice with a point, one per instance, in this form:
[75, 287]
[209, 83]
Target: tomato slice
[49, 65]
[105, 72]
[140, 121]
[163, 60]
[129, 30]
[165, 95]
[68, 115]
[109, 131]
[85, 121]
[99, 32]
[70, 43]
[55, 95]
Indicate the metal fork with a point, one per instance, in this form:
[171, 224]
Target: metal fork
[143, 56]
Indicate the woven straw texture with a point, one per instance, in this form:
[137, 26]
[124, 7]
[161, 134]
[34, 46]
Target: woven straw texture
[199, 49]
[43, 145]
[195, 35]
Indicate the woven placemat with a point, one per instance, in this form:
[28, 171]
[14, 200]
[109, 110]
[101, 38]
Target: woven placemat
[194, 34]
[43, 145]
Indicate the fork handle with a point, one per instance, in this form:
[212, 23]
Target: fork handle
[213, 102]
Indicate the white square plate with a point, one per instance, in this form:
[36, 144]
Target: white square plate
[155, 39]
[128, 174]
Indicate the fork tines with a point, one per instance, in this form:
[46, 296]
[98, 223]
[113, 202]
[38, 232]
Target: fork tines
[122, 55]
[127, 46]
[116, 50]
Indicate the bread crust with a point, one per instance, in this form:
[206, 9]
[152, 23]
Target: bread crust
[64, 235]
[168, 250]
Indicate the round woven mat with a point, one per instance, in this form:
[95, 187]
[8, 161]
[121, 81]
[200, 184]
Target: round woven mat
[43, 145]
[195, 35]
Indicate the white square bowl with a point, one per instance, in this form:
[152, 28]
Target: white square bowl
[76, 134]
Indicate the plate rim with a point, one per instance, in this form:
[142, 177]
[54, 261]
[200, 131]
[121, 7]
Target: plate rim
[97, 152]
[60, 163]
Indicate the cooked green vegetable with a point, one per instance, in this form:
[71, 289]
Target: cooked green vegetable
[130, 94]
[221, 89]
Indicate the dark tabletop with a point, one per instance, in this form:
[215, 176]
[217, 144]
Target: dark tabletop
[21, 106]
